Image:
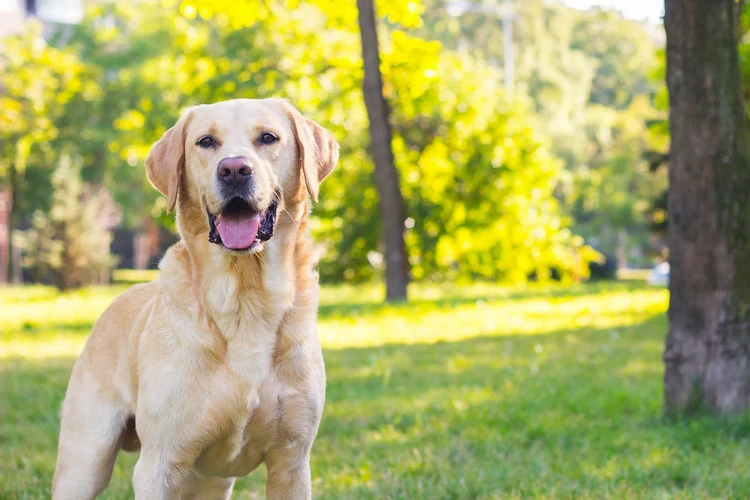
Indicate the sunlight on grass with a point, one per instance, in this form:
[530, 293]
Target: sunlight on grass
[38, 323]
[424, 322]
[26, 347]
[465, 392]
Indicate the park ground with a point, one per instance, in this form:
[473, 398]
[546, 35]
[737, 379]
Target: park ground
[466, 392]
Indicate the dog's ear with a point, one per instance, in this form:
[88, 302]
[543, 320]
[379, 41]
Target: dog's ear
[166, 160]
[318, 150]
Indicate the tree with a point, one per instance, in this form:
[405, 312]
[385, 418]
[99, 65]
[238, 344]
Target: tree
[477, 182]
[69, 245]
[708, 346]
[587, 73]
[392, 209]
[36, 81]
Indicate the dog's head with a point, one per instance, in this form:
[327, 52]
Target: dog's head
[234, 164]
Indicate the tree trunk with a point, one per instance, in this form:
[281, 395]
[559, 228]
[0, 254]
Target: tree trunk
[392, 209]
[7, 223]
[707, 354]
[6, 198]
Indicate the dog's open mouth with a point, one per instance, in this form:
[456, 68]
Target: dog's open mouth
[240, 227]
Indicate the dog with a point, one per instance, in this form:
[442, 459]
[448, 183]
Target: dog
[216, 366]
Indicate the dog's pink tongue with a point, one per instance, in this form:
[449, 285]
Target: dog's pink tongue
[238, 231]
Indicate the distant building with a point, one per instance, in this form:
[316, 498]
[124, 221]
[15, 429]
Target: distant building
[52, 13]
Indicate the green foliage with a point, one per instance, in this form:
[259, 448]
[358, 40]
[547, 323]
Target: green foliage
[36, 82]
[587, 74]
[69, 245]
[658, 144]
[531, 393]
[460, 145]
[477, 183]
[480, 170]
[611, 185]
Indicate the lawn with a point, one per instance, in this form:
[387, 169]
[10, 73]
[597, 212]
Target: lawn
[466, 392]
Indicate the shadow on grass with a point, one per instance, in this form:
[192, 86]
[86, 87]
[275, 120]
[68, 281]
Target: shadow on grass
[77, 327]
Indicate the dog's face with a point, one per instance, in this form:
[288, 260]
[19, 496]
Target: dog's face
[238, 162]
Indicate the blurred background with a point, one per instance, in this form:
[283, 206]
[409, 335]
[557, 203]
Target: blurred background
[527, 136]
[525, 207]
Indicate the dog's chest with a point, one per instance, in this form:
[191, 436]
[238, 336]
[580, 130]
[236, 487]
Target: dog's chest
[249, 325]
[248, 428]
[276, 414]
[246, 414]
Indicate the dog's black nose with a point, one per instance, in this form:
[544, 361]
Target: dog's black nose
[234, 170]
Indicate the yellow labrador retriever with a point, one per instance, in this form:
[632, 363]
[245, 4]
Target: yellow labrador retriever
[216, 367]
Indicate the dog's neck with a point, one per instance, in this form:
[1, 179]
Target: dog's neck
[236, 292]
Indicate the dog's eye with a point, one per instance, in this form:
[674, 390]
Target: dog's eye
[268, 138]
[206, 142]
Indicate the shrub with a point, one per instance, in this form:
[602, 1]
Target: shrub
[69, 245]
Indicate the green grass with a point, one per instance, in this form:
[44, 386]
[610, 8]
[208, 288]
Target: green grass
[466, 392]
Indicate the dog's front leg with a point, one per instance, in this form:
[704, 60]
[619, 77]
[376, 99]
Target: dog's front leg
[157, 478]
[166, 437]
[289, 473]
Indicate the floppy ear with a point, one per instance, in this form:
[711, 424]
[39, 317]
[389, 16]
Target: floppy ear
[318, 150]
[166, 161]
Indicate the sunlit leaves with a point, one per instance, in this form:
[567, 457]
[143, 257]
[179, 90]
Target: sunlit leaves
[477, 181]
[584, 72]
[36, 81]
[227, 13]
[406, 13]
[343, 15]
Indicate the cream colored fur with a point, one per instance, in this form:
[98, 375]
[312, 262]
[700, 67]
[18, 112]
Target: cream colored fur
[217, 364]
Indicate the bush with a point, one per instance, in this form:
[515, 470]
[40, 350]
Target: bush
[69, 245]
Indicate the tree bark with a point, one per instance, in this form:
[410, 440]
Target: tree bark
[707, 354]
[6, 198]
[392, 209]
[7, 224]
